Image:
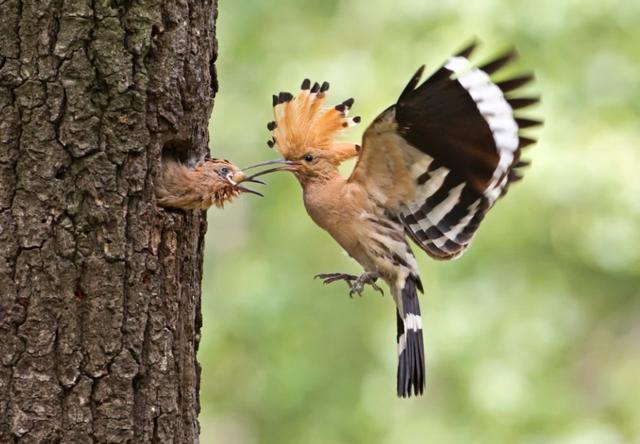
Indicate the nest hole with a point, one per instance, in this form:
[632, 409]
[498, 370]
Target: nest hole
[180, 150]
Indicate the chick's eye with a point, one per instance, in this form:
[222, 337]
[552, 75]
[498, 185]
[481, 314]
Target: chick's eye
[308, 158]
[224, 170]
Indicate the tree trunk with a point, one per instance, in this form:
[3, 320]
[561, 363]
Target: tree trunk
[100, 289]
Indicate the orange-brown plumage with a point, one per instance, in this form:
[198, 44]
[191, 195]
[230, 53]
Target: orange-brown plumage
[301, 122]
[430, 167]
[212, 182]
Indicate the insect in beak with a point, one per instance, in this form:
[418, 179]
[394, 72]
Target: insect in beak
[236, 178]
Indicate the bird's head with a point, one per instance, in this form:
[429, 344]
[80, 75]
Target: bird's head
[212, 182]
[304, 132]
[224, 179]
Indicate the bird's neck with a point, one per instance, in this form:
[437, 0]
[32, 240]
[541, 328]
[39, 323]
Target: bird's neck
[324, 196]
[327, 176]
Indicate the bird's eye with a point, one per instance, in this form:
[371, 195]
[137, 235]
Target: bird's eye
[308, 158]
[224, 170]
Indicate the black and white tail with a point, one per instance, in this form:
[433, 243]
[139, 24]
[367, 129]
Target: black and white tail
[411, 373]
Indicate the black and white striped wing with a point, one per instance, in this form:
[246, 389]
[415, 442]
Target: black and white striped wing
[464, 124]
[446, 151]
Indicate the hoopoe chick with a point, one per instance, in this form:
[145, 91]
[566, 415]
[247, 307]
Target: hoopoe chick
[212, 182]
[430, 167]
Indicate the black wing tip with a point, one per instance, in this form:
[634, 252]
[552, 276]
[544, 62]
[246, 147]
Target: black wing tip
[523, 122]
[413, 83]
[522, 164]
[522, 102]
[468, 49]
[515, 82]
[524, 142]
[306, 84]
[514, 176]
[500, 61]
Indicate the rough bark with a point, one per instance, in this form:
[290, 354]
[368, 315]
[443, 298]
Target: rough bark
[100, 289]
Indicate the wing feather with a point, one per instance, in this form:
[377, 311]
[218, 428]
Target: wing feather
[447, 150]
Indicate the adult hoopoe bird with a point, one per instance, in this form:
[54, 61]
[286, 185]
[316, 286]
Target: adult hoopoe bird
[429, 168]
[211, 182]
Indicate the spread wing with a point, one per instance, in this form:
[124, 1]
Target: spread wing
[446, 151]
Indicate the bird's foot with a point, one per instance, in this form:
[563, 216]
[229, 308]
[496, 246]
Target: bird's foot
[328, 278]
[356, 283]
[369, 277]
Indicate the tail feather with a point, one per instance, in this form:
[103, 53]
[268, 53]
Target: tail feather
[411, 373]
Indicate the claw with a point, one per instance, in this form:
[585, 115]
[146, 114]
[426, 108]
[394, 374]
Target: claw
[332, 279]
[356, 283]
[377, 288]
[328, 278]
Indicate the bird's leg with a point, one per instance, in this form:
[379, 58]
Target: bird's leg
[356, 283]
[328, 278]
[368, 277]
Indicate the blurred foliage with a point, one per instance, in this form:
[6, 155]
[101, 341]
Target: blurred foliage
[532, 336]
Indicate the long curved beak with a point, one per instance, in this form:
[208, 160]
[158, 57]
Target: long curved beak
[240, 176]
[287, 165]
[270, 162]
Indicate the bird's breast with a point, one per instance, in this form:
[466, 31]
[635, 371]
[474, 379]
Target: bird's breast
[333, 210]
[363, 230]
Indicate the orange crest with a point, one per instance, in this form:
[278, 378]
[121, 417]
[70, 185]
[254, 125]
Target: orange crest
[301, 123]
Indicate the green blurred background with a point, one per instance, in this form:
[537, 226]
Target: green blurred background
[533, 336]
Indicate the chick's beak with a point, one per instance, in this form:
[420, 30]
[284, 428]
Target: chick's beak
[238, 177]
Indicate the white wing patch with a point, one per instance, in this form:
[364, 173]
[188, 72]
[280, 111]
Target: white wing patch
[444, 207]
[495, 109]
[460, 140]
